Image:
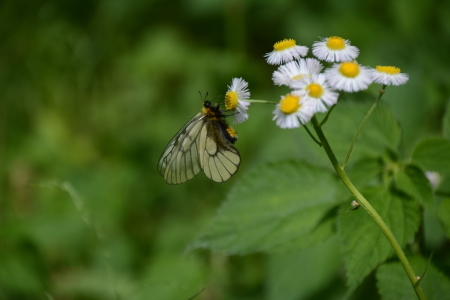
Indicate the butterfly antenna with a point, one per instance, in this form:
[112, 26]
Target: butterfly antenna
[219, 96]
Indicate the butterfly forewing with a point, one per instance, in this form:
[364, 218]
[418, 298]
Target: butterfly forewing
[179, 161]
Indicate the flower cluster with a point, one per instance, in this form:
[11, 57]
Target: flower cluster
[313, 89]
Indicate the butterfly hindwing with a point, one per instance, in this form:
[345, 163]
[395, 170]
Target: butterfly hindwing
[220, 159]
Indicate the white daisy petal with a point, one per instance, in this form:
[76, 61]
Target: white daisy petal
[234, 99]
[285, 51]
[317, 90]
[388, 75]
[292, 111]
[296, 70]
[349, 77]
[335, 49]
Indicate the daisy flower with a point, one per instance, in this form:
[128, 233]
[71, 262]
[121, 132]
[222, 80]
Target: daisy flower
[349, 77]
[234, 99]
[295, 70]
[317, 90]
[389, 75]
[293, 110]
[284, 51]
[334, 49]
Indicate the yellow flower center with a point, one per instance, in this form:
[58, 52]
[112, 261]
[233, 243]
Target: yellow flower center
[335, 43]
[315, 90]
[349, 69]
[290, 104]
[231, 100]
[284, 44]
[388, 70]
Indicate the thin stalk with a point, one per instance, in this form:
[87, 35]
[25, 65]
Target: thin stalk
[426, 269]
[372, 212]
[311, 135]
[329, 111]
[260, 101]
[352, 145]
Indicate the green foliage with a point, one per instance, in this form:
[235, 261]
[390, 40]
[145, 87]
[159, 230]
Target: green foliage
[93, 90]
[288, 216]
[363, 244]
[432, 155]
[444, 215]
[380, 133]
[412, 181]
[446, 122]
[393, 284]
[299, 275]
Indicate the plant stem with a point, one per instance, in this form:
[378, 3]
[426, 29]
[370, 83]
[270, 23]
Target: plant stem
[330, 110]
[372, 212]
[350, 149]
[311, 135]
[260, 101]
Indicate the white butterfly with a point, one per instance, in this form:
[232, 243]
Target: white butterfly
[204, 143]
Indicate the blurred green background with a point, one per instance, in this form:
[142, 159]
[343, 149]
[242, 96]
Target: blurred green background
[91, 92]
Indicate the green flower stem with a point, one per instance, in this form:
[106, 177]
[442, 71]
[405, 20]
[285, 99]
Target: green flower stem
[330, 110]
[350, 149]
[260, 101]
[311, 135]
[372, 212]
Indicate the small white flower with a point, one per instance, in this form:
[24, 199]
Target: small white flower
[317, 90]
[293, 110]
[389, 75]
[335, 49]
[234, 99]
[434, 178]
[349, 77]
[296, 70]
[284, 51]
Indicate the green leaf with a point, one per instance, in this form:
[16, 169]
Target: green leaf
[433, 154]
[365, 172]
[300, 274]
[363, 243]
[278, 207]
[446, 121]
[381, 131]
[393, 283]
[444, 215]
[412, 181]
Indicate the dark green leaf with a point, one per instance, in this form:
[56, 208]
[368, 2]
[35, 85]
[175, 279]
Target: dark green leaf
[278, 207]
[298, 275]
[412, 181]
[365, 172]
[363, 243]
[380, 132]
[444, 215]
[446, 121]
[433, 154]
[393, 283]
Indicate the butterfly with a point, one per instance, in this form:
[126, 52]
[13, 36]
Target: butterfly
[204, 143]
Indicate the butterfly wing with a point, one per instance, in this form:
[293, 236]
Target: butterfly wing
[180, 161]
[218, 158]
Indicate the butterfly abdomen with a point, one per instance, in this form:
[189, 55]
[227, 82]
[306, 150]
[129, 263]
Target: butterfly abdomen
[227, 132]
